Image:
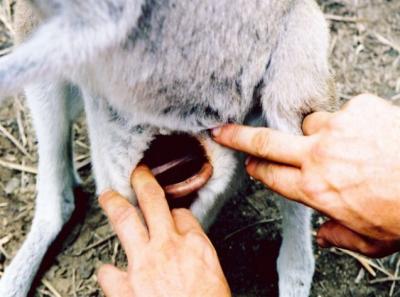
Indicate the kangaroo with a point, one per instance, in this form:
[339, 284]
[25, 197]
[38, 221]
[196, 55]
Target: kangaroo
[153, 76]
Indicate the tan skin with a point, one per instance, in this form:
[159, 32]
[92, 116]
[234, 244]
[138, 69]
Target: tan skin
[172, 256]
[347, 166]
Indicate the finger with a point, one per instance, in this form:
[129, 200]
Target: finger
[125, 221]
[187, 225]
[264, 143]
[315, 121]
[289, 182]
[284, 180]
[334, 234]
[114, 282]
[185, 221]
[152, 202]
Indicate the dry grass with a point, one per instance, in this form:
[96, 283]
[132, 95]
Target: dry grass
[366, 57]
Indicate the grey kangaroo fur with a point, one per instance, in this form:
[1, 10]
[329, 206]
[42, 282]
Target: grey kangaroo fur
[145, 67]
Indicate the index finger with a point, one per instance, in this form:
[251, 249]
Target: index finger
[152, 202]
[264, 143]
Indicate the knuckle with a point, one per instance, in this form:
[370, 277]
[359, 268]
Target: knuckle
[378, 225]
[312, 188]
[108, 196]
[123, 215]
[234, 136]
[260, 143]
[361, 101]
[365, 97]
[179, 212]
[198, 240]
[307, 124]
[151, 190]
[196, 237]
[368, 249]
[269, 177]
[168, 246]
[356, 100]
[320, 151]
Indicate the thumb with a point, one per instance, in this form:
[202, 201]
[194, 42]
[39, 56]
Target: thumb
[114, 282]
[334, 234]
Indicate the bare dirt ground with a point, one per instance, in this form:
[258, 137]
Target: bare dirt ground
[366, 58]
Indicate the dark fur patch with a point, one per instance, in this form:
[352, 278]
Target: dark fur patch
[115, 11]
[221, 85]
[212, 113]
[150, 20]
[200, 111]
[238, 83]
[112, 114]
[137, 129]
[167, 110]
[257, 91]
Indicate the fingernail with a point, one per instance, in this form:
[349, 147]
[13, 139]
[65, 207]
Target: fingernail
[216, 131]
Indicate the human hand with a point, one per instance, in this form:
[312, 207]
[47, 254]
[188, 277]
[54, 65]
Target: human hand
[347, 166]
[172, 256]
